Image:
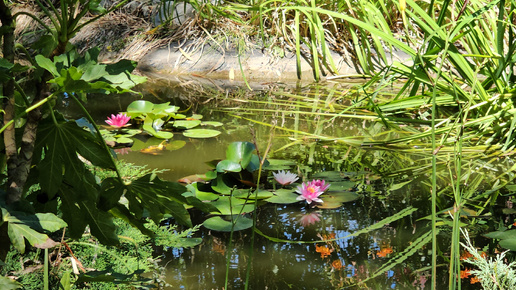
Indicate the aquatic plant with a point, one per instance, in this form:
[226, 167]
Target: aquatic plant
[285, 177]
[118, 121]
[310, 191]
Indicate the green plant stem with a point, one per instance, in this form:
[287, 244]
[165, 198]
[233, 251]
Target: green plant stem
[45, 270]
[33, 107]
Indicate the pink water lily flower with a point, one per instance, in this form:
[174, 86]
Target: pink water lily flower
[118, 121]
[309, 192]
[285, 177]
[321, 184]
[309, 219]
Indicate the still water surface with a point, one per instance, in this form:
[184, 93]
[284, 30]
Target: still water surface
[342, 262]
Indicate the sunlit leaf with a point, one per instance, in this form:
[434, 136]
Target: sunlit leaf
[230, 205]
[283, 196]
[228, 165]
[212, 123]
[7, 283]
[240, 152]
[201, 133]
[186, 124]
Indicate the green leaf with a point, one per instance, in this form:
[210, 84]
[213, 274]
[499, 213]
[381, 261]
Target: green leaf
[23, 226]
[7, 283]
[212, 123]
[227, 205]
[46, 64]
[502, 235]
[139, 107]
[94, 72]
[252, 194]
[399, 185]
[101, 223]
[218, 224]
[201, 195]
[336, 199]
[201, 133]
[186, 124]
[240, 152]
[227, 165]
[283, 196]
[508, 244]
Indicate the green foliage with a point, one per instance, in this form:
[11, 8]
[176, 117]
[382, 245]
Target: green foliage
[159, 119]
[492, 273]
[123, 266]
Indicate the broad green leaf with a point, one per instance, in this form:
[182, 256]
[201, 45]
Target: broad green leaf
[46, 64]
[139, 107]
[283, 196]
[7, 283]
[335, 199]
[228, 165]
[201, 133]
[186, 124]
[510, 234]
[252, 194]
[201, 195]
[18, 232]
[508, 244]
[240, 152]
[218, 224]
[230, 206]
[147, 126]
[212, 123]
[219, 185]
[101, 223]
[94, 72]
[189, 242]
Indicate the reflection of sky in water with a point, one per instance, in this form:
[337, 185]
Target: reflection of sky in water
[280, 265]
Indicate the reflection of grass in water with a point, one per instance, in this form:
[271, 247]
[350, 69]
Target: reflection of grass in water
[128, 171]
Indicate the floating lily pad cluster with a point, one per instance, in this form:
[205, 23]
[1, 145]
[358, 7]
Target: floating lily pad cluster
[232, 192]
[157, 120]
[160, 119]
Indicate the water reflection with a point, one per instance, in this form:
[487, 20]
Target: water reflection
[338, 262]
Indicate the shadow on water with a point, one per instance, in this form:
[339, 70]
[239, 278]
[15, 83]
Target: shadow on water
[341, 262]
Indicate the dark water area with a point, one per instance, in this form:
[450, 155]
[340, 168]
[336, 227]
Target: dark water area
[283, 253]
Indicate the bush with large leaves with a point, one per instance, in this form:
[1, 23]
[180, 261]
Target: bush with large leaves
[41, 147]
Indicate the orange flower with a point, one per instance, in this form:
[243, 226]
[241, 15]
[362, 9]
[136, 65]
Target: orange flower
[465, 273]
[384, 252]
[465, 255]
[337, 264]
[324, 250]
[474, 280]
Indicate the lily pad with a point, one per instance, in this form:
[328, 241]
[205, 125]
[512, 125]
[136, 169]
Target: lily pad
[139, 107]
[212, 123]
[219, 224]
[186, 124]
[283, 196]
[230, 206]
[124, 140]
[251, 194]
[201, 133]
[336, 199]
[202, 195]
[228, 165]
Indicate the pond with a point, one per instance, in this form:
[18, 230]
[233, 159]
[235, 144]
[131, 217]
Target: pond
[380, 238]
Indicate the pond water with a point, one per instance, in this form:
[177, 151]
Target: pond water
[282, 254]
